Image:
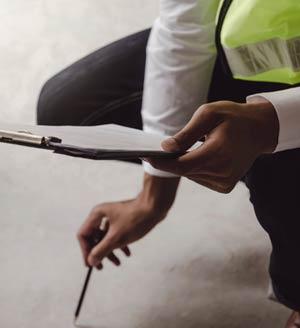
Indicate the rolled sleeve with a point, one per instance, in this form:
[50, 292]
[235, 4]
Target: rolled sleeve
[180, 59]
[152, 171]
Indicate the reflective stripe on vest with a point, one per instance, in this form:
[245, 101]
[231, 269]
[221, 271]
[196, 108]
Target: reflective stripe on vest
[261, 40]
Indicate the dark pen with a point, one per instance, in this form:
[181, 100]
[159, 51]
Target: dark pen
[97, 239]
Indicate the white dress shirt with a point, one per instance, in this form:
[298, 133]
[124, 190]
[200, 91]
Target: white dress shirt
[181, 54]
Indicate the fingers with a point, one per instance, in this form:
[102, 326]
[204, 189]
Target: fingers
[88, 230]
[103, 249]
[114, 259]
[203, 121]
[85, 247]
[100, 220]
[126, 251]
[198, 158]
[210, 178]
[214, 183]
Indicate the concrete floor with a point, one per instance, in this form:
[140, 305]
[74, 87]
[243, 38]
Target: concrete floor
[205, 266]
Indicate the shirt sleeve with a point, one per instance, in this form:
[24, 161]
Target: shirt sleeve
[287, 106]
[180, 58]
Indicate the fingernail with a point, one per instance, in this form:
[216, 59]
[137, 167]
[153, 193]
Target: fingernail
[171, 145]
[92, 262]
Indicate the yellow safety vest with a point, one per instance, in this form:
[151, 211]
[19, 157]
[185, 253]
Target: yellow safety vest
[260, 39]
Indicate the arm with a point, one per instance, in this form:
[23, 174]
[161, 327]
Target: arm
[180, 59]
[235, 135]
[128, 220]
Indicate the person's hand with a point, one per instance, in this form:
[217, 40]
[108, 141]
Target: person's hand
[128, 221]
[234, 136]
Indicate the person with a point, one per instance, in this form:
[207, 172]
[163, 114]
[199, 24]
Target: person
[224, 72]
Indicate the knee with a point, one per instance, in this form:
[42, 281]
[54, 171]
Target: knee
[55, 102]
[261, 187]
[44, 110]
[272, 185]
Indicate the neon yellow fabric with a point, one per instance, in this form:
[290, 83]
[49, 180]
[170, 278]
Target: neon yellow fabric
[252, 21]
[283, 75]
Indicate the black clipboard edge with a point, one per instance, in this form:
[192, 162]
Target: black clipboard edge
[97, 154]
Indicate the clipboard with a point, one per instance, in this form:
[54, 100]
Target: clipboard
[104, 142]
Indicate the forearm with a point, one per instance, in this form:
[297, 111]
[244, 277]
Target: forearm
[180, 60]
[158, 192]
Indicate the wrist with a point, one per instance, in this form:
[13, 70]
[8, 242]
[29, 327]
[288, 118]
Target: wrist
[158, 194]
[266, 125]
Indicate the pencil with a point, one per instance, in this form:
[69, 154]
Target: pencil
[101, 234]
[82, 295]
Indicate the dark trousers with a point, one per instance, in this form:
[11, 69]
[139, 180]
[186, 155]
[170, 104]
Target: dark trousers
[107, 87]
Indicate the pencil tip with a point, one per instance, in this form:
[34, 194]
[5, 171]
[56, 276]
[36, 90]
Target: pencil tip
[75, 321]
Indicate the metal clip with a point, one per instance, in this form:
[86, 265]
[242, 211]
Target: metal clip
[26, 137]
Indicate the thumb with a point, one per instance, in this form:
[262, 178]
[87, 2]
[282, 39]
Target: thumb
[101, 250]
[203, 121]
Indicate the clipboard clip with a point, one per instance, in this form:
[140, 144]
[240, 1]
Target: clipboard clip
[26, 137]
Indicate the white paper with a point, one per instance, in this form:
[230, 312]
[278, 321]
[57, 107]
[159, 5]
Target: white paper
[107, 137]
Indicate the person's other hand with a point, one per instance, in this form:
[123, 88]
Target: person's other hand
[234, 136]
[128, 221]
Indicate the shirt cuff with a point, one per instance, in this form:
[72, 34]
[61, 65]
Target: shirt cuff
[148, 168]
[287, 106]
